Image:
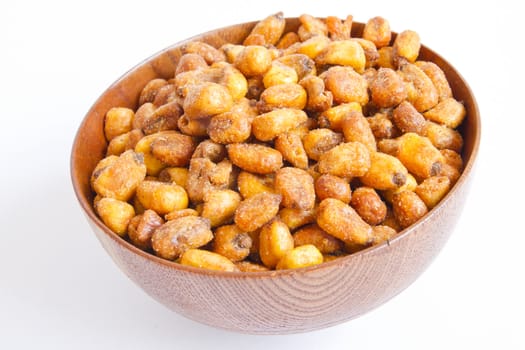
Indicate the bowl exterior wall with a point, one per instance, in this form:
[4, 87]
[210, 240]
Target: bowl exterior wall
[298, 301]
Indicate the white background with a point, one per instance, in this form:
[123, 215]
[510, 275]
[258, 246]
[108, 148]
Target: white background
[60, 290]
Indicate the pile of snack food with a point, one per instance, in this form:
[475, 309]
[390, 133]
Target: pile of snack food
[283, 151]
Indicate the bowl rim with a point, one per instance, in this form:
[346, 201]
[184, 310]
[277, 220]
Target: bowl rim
[401, 235]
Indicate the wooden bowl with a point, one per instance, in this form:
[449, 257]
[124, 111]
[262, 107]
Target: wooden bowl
[276, 302]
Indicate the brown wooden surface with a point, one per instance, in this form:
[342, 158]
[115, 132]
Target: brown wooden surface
[275, 302]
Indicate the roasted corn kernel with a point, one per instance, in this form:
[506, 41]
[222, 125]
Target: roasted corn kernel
[257, 210]
[115, 213]
[303, 256]
[207, 260]
[275, 241]
[174, 237]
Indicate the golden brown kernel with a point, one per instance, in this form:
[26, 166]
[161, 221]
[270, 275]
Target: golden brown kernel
[356, 129]
[219, 206]
[438, 78]
[232, 242]
[115, 213]
[450, 171]
[319, 99]
[421, 92]
[346, 85]
[338, 29]
[207, 260]
[174, 237]
[314, 235]
[251, 184]
[303, 256]
[382, 233]
[343, 53]
[205, 176]
[257, 210]
[433, 189]
[311, 26]
[419, 155]
[408, 208]
[385, 59]
[124, 142]
[408, 119]
[193, 127]
[368, 205]
[443, 137]
[142, 114]
[275, 241]
[211, 150]
[381, 126]
[162, 197]
[302, 64]
[255, 158]
[348, 159]
[333, 117]
[118, 177]
[172, 148]
[448, 112]
[208, 52]
[118, 121]
[319, 141]
[288, 40]
[163, 118]
[271, 28]
[342, 221]
[188, 62]
[296, 187]
[385, 172]
[295, 218]
[253, 60]
[230, 127]
[282, 96]
[377, 30]
[279, 73]
[452, 158]
[389, 146]
[311, 47]
[267, 126]
[292, 149]
[387, 89]
[176, 175]
[370, 51]
[330, 186]
[151, 89]
[406, 46]
[207, 99]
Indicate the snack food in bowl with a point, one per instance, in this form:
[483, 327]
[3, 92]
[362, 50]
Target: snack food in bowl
[332, 151]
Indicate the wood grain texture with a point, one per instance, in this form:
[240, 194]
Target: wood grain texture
[275, 302]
